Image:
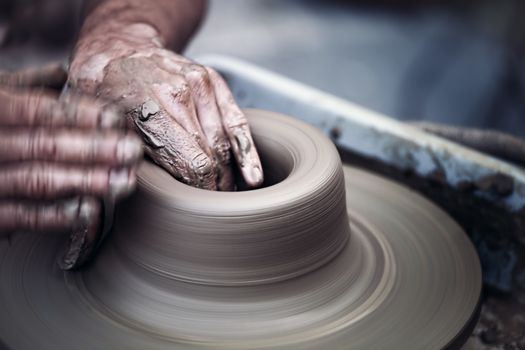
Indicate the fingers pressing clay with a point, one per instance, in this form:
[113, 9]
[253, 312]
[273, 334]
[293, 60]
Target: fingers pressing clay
[210, 120]
[39, 108]
[51, 181]
[59, 156]
[160, 106]
[200, 108]
[173, 148]
[178, 103]
[186, 116]
[238, 131]
[110, 147]
[85, 236]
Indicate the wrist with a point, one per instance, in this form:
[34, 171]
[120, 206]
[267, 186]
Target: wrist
[119, 38]
[98, 45]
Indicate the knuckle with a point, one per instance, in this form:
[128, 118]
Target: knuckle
[236, 121]
[212, 73]
[222, 151]
[197, 73]
[184, 89]
[182, 92]
[242, 138]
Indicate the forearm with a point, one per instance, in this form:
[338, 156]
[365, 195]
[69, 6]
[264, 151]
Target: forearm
[174, 21]
[114, 29]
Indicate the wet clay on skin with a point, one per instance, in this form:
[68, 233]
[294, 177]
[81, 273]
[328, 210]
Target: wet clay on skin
[328, 257]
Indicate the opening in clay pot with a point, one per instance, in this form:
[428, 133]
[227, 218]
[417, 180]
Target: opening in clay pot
[276, 160]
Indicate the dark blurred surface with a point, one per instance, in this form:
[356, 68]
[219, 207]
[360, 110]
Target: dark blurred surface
[33, 32]
[49, 22]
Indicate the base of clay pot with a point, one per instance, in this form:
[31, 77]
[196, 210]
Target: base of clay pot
[405, 277]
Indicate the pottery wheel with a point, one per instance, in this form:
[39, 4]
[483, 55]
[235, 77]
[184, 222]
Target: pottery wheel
[323, 257]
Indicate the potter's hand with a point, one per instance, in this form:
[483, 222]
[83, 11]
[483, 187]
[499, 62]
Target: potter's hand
[56, 157]
[184, 111]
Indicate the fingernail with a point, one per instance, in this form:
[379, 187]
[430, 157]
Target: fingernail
[253, 176]
[202, 164]
[121, 182]
[129, 149]
[243, 142]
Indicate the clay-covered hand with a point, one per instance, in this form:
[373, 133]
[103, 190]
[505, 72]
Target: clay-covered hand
[57, 157]
[184, 111]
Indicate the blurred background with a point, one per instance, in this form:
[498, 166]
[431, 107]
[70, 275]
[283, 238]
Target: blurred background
[459, 62]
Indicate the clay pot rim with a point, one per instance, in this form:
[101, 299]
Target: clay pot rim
[304, 174]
